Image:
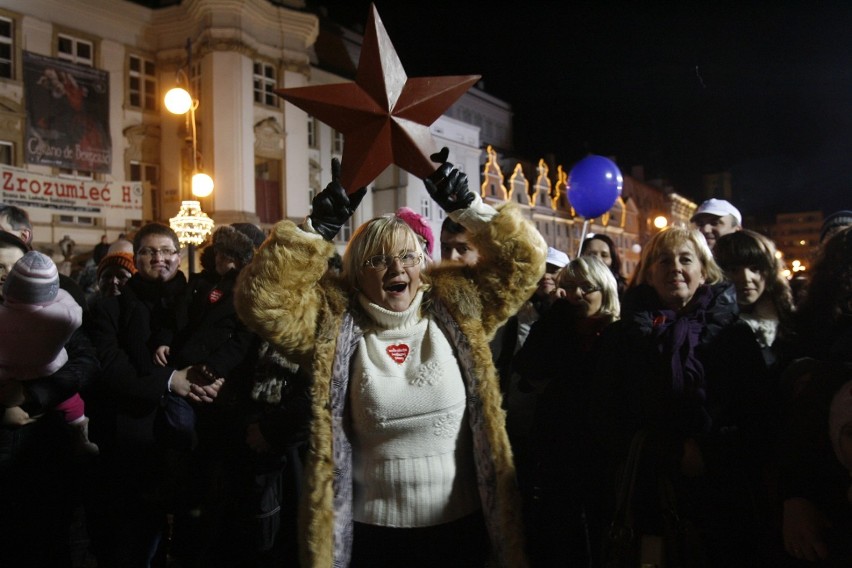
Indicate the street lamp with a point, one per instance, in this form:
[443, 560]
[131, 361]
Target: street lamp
[191, 224]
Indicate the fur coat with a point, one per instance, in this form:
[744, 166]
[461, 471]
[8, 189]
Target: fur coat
[286, 296]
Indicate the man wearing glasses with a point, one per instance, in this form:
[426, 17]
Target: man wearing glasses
[125, 330]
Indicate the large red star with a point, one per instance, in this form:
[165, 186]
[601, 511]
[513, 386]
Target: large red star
[384, 116]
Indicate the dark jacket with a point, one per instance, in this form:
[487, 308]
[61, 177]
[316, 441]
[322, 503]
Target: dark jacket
[213, 334]
[126, 330]
[670, 374]
[560, 357]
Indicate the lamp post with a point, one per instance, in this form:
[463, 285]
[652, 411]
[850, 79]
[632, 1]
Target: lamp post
[191, 224]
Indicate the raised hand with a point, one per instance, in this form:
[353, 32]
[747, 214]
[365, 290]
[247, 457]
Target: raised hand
[332, 207]
[448, 186]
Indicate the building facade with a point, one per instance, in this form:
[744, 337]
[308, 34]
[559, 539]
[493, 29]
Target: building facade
[268, 158]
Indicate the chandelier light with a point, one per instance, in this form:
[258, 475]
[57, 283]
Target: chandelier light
[191, 224]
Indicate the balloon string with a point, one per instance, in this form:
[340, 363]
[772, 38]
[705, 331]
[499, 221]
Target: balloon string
[583, 236]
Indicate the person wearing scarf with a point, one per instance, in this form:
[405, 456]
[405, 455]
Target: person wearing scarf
[666, 375]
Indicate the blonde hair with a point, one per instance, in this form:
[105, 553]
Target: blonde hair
[668, 240]
[383, 235]
[593, 269]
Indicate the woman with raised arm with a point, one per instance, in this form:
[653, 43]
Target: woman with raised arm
[409, 463]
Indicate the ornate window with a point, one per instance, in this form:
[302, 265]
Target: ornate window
[142, 83]
[7, 48]
[264, 84]
[75, 50]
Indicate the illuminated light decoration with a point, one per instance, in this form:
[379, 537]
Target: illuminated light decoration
[517, 173]
[561, 186]
[384, 116]
[202, 185]
[542, 183]
[492, 169]
[191, 224]
[620, 202]
[178, 100]
[661, 222]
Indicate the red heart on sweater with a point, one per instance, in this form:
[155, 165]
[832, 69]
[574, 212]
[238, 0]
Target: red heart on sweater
[398, 352]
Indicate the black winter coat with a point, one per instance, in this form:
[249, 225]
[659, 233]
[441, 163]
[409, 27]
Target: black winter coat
[680, 386]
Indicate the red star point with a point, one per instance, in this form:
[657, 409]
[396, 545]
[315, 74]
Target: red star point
[384, 116]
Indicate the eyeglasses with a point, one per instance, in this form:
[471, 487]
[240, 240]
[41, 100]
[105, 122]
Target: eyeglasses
[584, 287]
[382, 261]
[164, 252]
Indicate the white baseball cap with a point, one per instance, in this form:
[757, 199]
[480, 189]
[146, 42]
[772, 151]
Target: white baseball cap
[718, 207]
[557, 257]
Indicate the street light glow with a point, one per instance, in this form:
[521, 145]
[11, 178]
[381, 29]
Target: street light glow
[202, 184]
[178, 101]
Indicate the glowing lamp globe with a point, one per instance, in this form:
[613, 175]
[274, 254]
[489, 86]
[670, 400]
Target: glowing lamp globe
[202, 185]
[178, 101]
[660, 222]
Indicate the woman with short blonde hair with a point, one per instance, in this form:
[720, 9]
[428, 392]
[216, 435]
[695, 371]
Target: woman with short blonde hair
[409, 462]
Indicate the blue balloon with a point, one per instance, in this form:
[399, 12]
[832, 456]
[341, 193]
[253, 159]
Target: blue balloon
[594, 184]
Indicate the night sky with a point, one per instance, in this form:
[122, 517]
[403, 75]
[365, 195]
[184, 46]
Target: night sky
[761, 89]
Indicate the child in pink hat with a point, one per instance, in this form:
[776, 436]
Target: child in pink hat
[37, 319]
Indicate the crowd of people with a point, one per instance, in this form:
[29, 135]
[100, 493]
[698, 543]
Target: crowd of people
[502, 406]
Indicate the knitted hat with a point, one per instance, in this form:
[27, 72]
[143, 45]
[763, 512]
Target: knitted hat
[120, 259]
[33, 280]
[419, 225]
[836, 220]
[237, 241]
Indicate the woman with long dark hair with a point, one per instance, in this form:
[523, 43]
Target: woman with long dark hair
[603, 247]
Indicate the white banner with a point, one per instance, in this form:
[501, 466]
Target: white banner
[27, 189]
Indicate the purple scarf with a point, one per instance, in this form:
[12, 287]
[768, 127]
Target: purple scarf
[676, 334]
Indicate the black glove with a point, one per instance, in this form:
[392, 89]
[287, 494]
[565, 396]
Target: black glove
[448, 186]
[332, 207]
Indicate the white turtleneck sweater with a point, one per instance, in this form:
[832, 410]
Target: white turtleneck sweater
[413, 460]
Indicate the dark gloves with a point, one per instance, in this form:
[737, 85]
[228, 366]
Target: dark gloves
[332, 207]
[448, 186]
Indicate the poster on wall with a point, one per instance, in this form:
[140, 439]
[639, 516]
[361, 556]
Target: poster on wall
[67, 115]
[27, 189]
